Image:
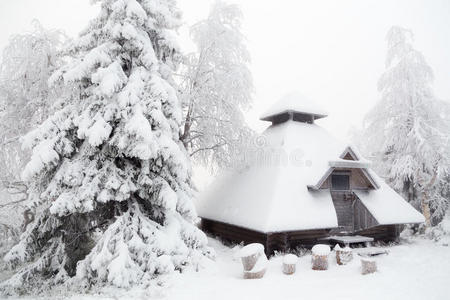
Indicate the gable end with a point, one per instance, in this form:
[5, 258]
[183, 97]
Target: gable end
[349, 154]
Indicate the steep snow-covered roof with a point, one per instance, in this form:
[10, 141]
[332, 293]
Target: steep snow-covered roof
[388, 207]
[296, 103]
[272, 194]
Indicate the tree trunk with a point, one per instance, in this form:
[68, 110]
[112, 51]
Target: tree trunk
[289, 264]
[344, 256]
[319, 262]
[289, 269]
[368, 266]
[425, 206]
[426, 210]
[248, 262]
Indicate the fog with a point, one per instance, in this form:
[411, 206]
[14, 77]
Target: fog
[331, 51]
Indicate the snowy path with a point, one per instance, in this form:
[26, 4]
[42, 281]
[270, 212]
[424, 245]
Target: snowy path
[418, 270]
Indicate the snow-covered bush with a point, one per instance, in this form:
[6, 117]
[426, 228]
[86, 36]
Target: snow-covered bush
[441, 232]
[109, 177]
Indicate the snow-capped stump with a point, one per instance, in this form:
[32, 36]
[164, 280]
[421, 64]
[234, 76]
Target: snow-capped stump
[289, 264]
[250, 254]
[368, 265]
[343, 255]
[259, 269]
[319, 258]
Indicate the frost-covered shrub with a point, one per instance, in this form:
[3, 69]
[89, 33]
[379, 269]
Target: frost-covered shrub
[441, 232]
[109, 177]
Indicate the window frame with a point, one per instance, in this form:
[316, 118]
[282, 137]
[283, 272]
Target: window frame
[340, 174]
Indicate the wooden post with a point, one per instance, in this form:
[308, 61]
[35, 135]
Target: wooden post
[248, 262]
[319, 259]
[258, 270]
[253, 260]
[343, 255]
[289, 264]
[368, 266]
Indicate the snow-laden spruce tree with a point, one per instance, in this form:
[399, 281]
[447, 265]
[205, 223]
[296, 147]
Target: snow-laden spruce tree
[217, 88]
[405, 132]
[110, 178]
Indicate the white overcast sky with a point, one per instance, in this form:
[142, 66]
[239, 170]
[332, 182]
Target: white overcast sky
[332, 51]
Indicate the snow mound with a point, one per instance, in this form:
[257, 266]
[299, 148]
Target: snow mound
[321, 249]
[251, 249]
[290, 259]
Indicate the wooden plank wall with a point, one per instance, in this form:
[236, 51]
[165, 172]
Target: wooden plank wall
[306, 238]
[343, 204]
[284, 241]
[385, 233]
[363, 218]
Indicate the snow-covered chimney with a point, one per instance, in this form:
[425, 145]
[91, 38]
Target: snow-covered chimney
[296, 107]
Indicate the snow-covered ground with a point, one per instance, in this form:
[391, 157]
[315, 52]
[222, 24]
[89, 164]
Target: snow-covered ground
[415, 269]
[418, 270]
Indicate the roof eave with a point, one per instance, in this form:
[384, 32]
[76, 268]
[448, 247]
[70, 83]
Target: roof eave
[331, 169]
[349, 164]
[270, 117]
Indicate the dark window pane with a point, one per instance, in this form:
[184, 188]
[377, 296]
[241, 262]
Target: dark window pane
[340, 182]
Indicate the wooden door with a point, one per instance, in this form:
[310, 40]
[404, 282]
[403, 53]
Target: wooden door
[343, 204]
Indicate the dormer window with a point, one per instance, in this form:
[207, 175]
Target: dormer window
[340, 182]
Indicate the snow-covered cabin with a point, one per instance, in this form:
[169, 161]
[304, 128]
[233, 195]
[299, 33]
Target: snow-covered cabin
[302, 185]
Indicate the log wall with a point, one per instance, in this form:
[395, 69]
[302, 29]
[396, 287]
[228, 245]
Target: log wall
[306, 238]
[283, 241]
[385, 233]
[232, 233]
[273, 241]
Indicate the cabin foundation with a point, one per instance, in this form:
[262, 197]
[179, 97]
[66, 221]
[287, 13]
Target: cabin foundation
[289, 240]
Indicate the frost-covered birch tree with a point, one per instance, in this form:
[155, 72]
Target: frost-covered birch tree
[109, 176]
[25, 101]
[405, 132]
[217, 88]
